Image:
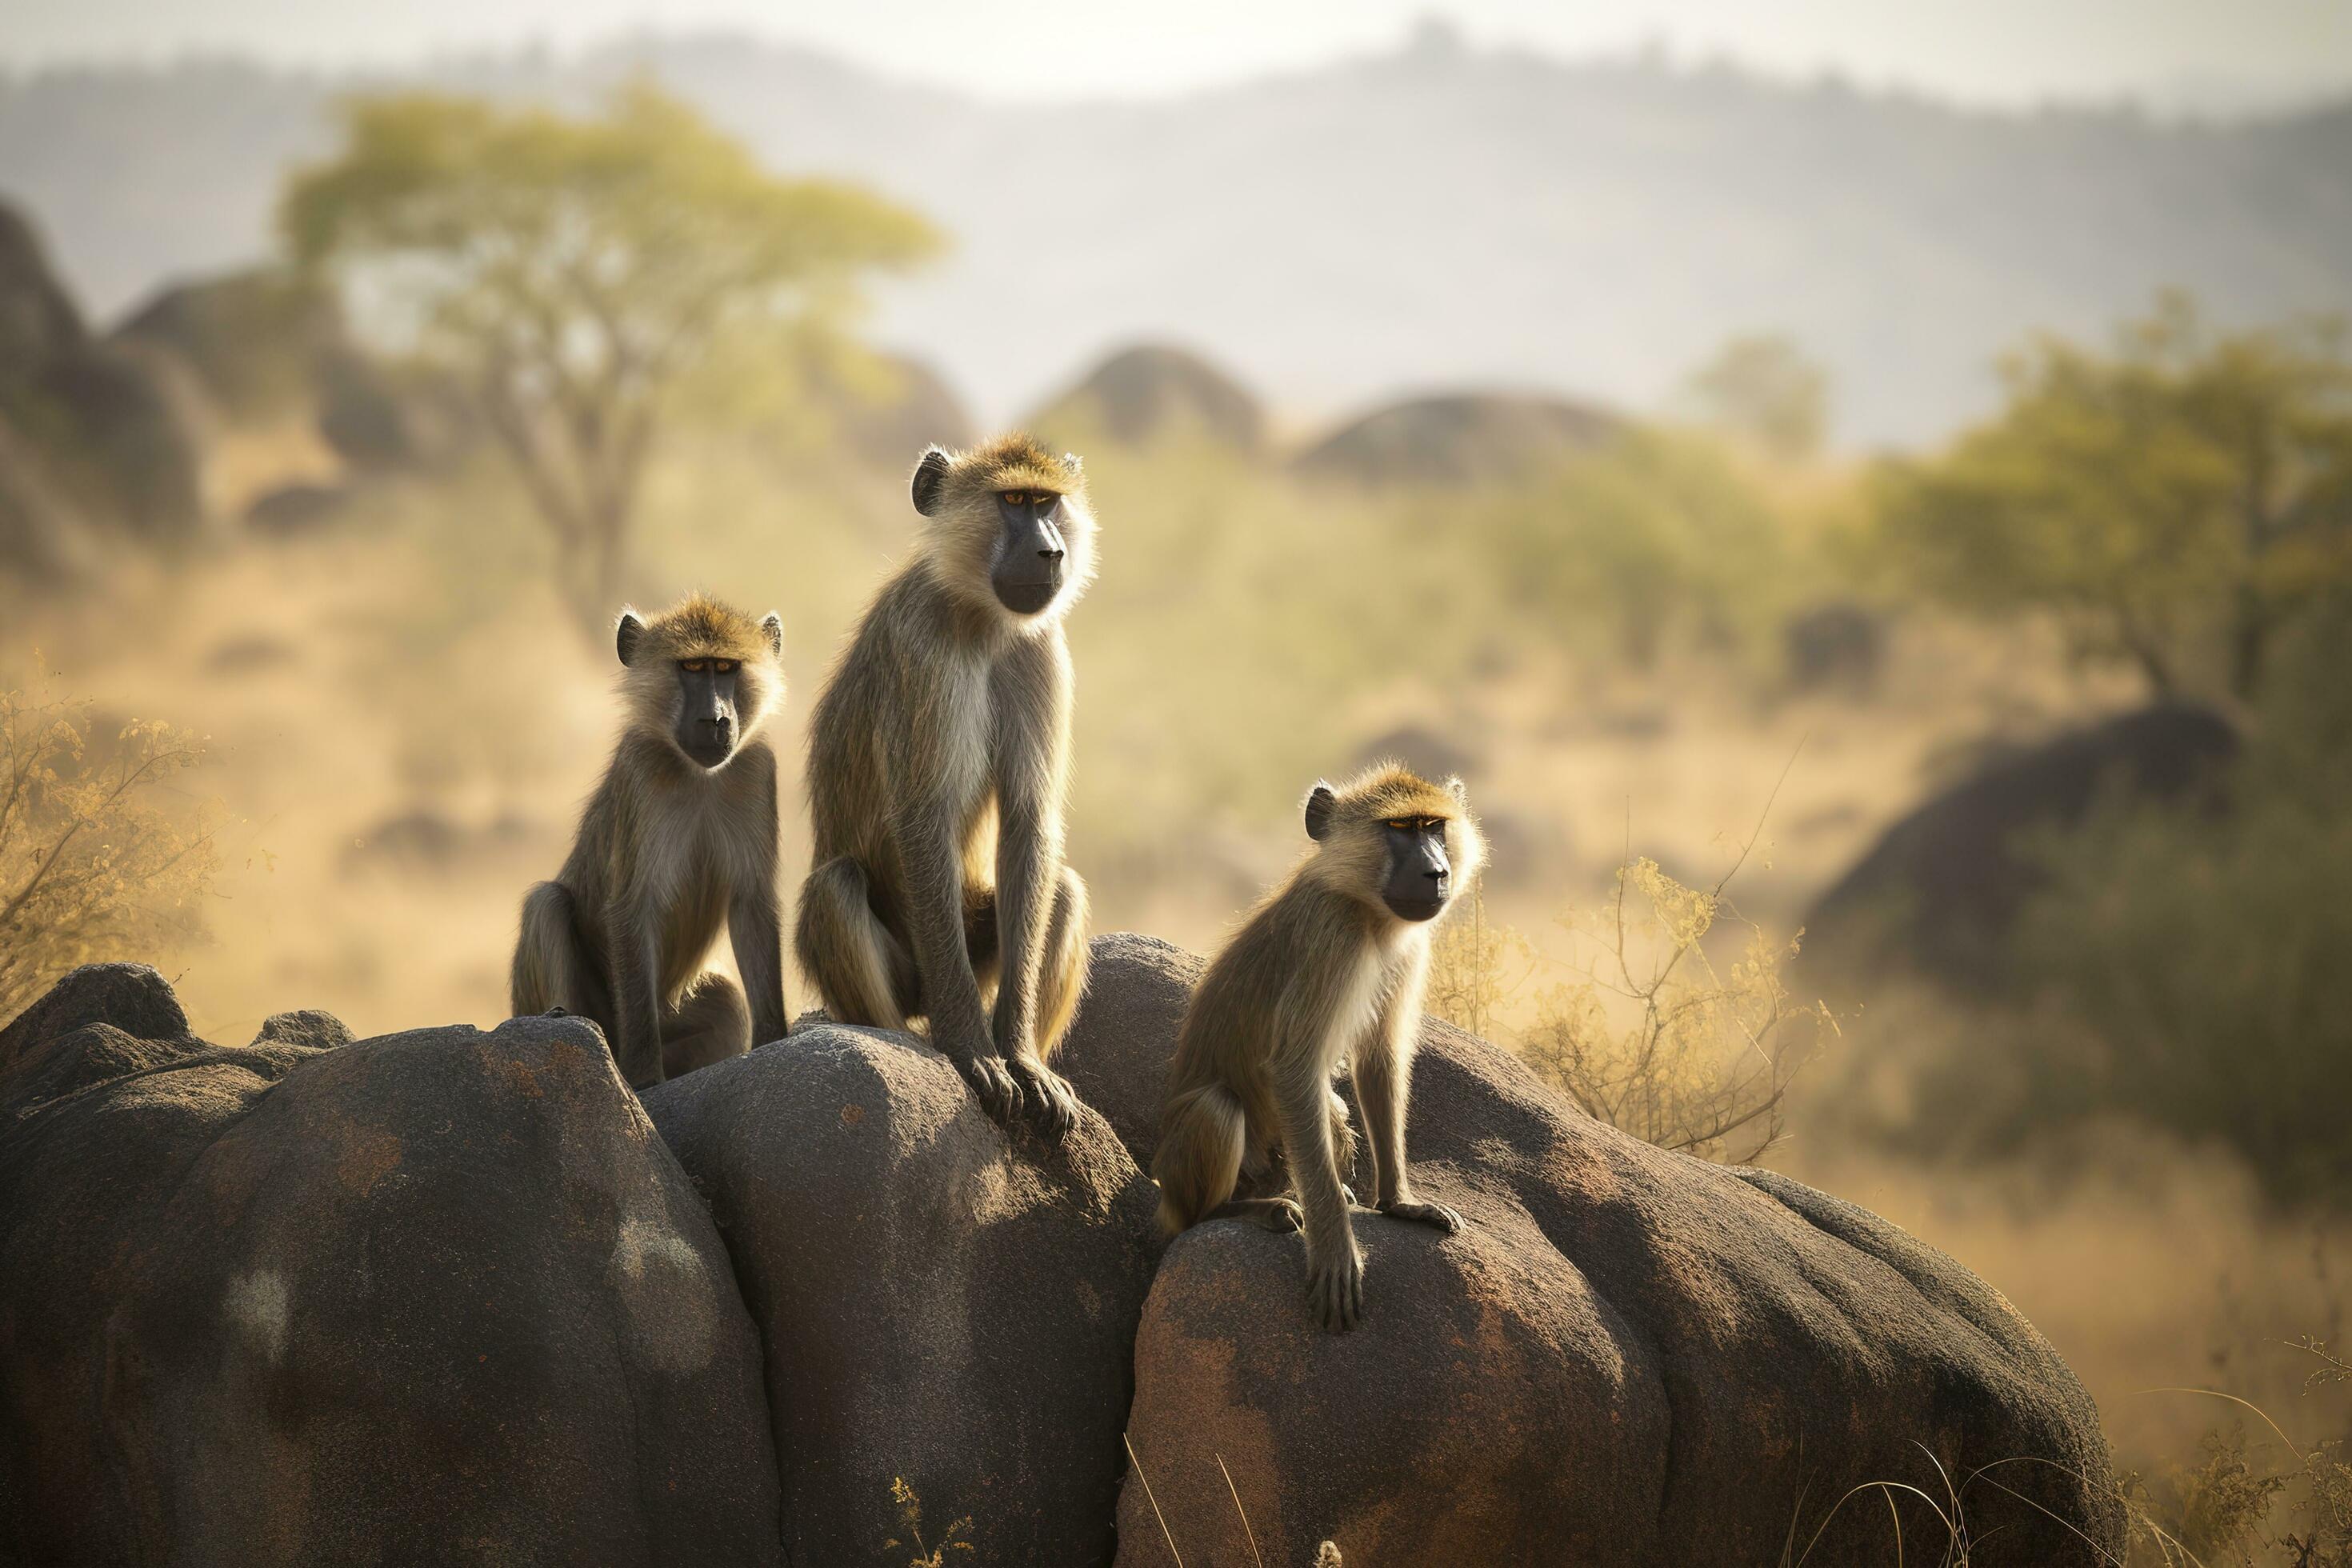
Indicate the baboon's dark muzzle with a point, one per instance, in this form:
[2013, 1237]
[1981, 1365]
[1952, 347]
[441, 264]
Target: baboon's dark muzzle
[706, 725]
[1421, 878]
[1029, 557]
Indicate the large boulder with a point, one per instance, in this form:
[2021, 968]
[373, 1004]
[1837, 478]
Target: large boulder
[1461, 438]
[252, 338]
[943, 1308]
[1941, 890]
[1151, 394]
[96, 430]
[1629, 1356]
[439, 1297]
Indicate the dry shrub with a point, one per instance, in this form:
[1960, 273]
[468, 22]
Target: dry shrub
[1705, 1063]
[93, 863]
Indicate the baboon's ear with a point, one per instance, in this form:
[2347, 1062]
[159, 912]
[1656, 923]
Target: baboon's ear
[773, 625]
[1320, 804]
[1076, 464]
[626, 635]
[930, 475]
[1458, 790]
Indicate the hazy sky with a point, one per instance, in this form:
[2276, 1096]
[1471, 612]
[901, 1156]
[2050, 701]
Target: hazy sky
[2005, 51]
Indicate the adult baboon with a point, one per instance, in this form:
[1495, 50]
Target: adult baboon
[938, 757]
[1330, 964]
[679, 837]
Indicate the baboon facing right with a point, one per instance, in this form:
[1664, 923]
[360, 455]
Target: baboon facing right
[1332, 964]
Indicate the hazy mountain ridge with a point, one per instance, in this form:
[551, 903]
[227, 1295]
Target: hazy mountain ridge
[1428, 218]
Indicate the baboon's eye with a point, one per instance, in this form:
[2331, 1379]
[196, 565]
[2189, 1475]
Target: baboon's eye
[1016, 498]
[696, 665]
[723, 666]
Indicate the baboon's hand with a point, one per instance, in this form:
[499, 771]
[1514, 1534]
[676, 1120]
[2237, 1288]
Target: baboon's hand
[1000, 1095]
[1438, 1215]
[1053, 1104]
[1335, 1289]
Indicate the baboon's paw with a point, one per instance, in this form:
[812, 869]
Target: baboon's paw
[992, 1082]
[1335, 1293]
[1438, 1215]
[1053, 1104]
[1282, 1215]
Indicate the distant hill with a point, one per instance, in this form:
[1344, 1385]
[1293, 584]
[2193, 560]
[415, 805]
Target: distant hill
[1152, 393]
[1458, 438]
[1434, 216]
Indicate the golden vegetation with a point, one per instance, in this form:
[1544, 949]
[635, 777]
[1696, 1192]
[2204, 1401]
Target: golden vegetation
[97, 861]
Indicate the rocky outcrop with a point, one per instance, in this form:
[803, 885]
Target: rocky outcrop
[1629, 1357]
[450, 1296]
[95, 433]
[1940, 890]
[1466, 438]
[943, 1306]
[436, 1297]
[1150, 394]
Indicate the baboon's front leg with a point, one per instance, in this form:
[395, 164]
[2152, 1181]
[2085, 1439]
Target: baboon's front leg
[755, 928]
[636, 994]
[1335, 1271]
[959, 1027]
[1027, 852]
[1383, 1067]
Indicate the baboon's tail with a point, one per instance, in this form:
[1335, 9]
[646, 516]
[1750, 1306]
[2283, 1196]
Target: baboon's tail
[843, 949]
[1202, 1140]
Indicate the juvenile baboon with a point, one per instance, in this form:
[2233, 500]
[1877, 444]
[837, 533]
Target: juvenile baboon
[1330, 964]
[679, 837]
[939, 758]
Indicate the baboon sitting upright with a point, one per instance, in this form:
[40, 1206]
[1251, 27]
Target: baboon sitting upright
[939, 758]
[1331, 964]
[679, 837]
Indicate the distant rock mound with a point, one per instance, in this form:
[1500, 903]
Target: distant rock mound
[889, 408]
[253, 338]
[1149, 394]
[1629, 1357]
[435, 1296]
[1466, 438]
[1941, 888]
[96, 434]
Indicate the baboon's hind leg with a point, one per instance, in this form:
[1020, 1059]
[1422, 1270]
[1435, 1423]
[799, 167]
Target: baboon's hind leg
[864, 973]
[709, 1024]
[554, 964]
[1200, 1156]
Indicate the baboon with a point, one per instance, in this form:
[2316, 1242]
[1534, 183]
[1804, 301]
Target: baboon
[680, 836]
[1330, 964]
[939, 758]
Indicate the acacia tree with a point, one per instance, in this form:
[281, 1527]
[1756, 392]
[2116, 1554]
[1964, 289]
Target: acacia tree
[571, 270]
[2175, 501]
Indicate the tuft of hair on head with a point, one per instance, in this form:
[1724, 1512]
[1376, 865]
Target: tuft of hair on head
[956, 492]
[700, 626]
[1345, 820]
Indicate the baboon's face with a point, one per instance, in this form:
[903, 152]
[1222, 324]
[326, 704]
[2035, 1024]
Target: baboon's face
[1420, 874]
[1395, 841]
[1026, 566]
[701, 677]
[709, 725]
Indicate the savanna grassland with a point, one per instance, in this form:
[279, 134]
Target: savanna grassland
[400, 710]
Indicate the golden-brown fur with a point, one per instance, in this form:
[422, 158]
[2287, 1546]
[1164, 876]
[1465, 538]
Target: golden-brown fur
[669, 848]
[938, 763]
[1321, 970]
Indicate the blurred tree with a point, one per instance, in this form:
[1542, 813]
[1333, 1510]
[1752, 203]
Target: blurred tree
[1764, 389]
[2175, 501]
[573, 269]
